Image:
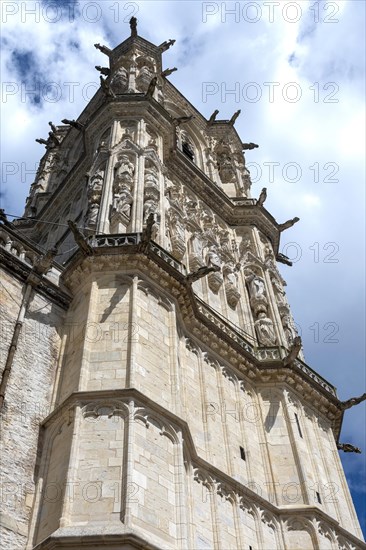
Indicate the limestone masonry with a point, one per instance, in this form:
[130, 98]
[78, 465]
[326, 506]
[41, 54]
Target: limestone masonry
[154, 391]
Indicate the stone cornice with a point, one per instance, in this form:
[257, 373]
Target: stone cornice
[22, 270]
[111, 536]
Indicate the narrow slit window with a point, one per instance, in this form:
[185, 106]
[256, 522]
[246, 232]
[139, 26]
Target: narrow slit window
[318, 497]
[242, 453]
[298, 425]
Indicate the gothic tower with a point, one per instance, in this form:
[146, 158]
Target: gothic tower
[154, 392]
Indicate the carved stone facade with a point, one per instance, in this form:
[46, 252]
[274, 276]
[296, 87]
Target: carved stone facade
[168, 416]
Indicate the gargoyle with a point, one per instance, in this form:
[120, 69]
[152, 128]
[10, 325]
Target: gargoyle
[289, 223]
[352, 402]
[166, 45]
[294, 352]
[168, 72]
[73, 123]
[201, 272]
[250, 145]
[348, 448]
[44, 263]
[234, 117]
[212, 118]
[80, 240]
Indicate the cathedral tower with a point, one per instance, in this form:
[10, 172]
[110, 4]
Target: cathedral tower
[154, 391]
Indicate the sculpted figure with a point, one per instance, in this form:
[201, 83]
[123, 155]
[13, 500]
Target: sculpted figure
[150, 207]
[231, 273]
[91, 217]
[212, 258]
[176, 225]
[265, 331]
[279, 292]
[120, 80]
[124, 171]
[197, 243]
[256, 286]
[288, 329]
[122, 203]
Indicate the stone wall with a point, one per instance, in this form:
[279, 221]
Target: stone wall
[27, 402]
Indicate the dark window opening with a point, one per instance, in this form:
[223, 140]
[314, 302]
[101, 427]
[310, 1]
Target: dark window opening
[298, 425]
[318, 498]
[187, 150]
[242, 453]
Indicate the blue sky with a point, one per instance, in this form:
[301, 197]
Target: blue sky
[297, 74]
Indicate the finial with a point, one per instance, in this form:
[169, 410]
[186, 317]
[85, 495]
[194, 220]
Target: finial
[133, 26]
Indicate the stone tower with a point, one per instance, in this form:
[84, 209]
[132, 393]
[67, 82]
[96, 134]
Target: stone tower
[154, 393]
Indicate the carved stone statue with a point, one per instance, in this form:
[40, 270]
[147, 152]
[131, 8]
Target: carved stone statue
[150, 207]
[262, 197]
[231, 273]
[151, 178]
[122, 203]
[288, 329]
[257, 289]
[212, 258]
[279, 292]
[95, 185]
[231, 283]
[119, 81]
[225, 167]
[91, 217]
[197, 243]
[124, 171]
[265, 330]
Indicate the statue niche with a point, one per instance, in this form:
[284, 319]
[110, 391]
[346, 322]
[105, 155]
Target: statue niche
[122, 194]
[94, 195]
[259, 304]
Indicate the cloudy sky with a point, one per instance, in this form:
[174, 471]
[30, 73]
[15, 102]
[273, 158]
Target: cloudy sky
[296, 71]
